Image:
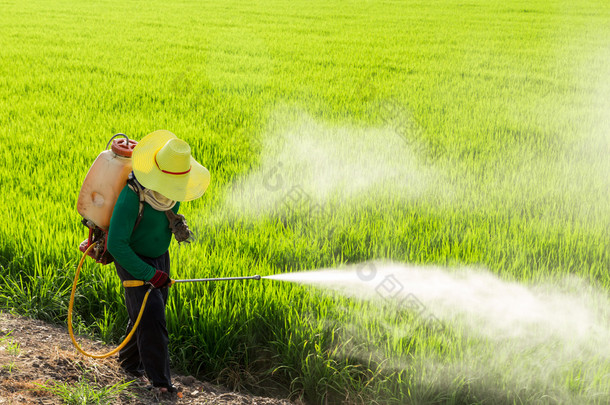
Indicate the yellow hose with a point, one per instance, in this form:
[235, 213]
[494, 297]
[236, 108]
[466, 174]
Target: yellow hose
[133, 329]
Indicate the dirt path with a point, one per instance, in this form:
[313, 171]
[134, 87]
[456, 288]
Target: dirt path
[33, 353]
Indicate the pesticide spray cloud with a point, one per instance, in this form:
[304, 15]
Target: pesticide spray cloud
[475, 296]
[512, 336]
[551, 338]
[522, 336]
[306, 163]
[315, 163]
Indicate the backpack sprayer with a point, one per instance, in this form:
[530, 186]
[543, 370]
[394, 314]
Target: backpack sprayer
[100, 190]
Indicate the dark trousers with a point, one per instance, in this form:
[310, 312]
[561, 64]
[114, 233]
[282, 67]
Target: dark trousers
[147, 351]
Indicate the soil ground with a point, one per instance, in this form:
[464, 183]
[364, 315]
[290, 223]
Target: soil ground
[35, 354]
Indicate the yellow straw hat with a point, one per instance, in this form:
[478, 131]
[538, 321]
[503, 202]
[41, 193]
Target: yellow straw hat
[163, 163]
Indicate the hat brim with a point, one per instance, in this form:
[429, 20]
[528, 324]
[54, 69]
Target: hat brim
[184, 187]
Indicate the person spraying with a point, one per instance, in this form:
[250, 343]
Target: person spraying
[143, 219]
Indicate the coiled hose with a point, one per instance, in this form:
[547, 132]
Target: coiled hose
[70, 307]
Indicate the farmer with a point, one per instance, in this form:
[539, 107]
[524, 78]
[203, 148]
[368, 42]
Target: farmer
[164, 173]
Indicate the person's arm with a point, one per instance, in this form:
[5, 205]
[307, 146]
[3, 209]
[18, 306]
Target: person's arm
[119, 236]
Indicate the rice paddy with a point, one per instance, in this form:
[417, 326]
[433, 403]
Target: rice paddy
[338, 133]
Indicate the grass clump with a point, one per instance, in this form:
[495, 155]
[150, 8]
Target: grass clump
[86, 392]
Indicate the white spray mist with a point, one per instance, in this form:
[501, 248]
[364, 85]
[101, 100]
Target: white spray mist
[518, 336]
[322, 163]
[490, 306]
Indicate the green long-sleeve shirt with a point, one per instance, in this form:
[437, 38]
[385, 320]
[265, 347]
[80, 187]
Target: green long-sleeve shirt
[151, 238]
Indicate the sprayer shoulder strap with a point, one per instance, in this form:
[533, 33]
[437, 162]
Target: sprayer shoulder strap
[135, 186]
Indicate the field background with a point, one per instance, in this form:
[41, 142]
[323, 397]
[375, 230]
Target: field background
[507, 100]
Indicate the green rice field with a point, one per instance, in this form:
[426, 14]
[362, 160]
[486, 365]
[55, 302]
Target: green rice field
[431, 133]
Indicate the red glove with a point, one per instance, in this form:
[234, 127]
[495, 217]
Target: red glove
[160, 279]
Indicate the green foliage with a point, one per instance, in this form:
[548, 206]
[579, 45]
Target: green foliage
[85, 392]
[507, 102]
[37, 294]
[12, 348]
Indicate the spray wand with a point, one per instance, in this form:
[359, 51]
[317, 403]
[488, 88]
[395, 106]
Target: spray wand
[139, 283]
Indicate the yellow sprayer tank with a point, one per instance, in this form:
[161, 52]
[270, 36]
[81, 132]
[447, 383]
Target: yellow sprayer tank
[104, 182]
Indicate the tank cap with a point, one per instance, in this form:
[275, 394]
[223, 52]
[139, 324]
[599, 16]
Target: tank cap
[122, 147]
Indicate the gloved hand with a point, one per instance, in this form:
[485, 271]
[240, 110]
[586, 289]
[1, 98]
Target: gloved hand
[179, 227]
[160, 279]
